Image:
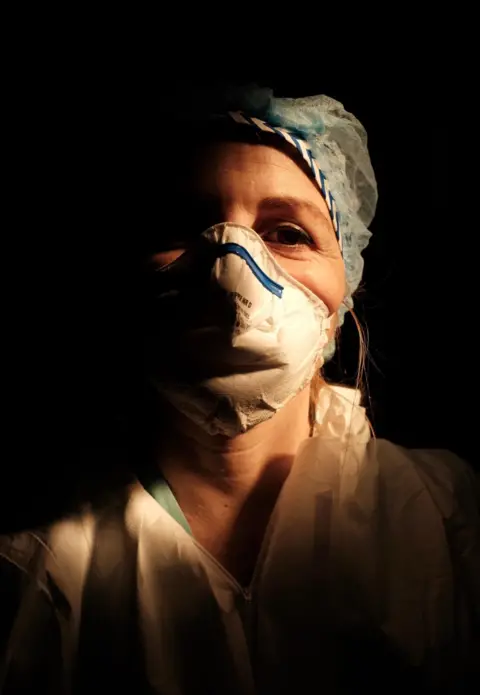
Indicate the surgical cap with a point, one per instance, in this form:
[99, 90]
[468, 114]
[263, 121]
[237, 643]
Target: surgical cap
[338, 142]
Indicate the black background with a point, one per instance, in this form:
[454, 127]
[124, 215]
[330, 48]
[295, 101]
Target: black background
[85, 182]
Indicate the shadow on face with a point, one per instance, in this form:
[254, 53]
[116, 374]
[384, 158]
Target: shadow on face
[263, 188]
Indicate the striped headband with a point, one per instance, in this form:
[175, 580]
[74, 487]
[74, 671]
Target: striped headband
[305, 150]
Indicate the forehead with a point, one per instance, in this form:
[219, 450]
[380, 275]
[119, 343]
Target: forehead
[246, 169]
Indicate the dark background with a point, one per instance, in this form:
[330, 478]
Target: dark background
[85, 182]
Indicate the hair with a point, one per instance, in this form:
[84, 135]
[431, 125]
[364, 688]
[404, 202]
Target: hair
[318, 382]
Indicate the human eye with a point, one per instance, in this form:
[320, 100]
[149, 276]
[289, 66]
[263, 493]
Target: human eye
[287, 234]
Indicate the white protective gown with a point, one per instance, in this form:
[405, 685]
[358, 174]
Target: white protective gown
[369, 576]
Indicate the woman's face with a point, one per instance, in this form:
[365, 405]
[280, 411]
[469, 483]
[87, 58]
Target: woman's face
[262, 188]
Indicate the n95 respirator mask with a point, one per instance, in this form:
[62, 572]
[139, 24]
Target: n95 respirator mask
[235, 337]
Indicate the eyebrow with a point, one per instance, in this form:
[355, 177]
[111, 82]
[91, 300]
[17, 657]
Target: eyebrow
[295, 205]
[280, 204]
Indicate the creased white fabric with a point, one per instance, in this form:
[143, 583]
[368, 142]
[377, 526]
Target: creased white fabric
[369, 575]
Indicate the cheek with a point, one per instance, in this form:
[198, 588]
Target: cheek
[325, 277]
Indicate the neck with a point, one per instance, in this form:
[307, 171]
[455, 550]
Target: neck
[193, 460]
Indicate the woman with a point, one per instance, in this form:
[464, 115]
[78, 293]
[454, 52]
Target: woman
[269, 543]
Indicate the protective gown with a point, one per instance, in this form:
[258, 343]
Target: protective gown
[368, 576]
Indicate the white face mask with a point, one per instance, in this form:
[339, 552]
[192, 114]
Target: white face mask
[243, 337]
